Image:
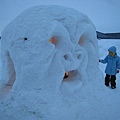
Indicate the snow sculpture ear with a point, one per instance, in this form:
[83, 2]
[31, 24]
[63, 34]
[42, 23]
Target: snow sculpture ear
[9, 73]
[88, 42]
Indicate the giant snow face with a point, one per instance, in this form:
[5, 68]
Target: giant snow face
[45, 42]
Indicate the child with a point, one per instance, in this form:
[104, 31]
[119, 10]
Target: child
[113, 64]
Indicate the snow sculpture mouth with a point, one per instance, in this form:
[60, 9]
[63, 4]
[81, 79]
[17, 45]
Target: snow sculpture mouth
[44, 43]
[70, 76]
[71, 79]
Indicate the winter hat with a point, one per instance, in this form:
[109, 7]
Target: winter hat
[112, 48]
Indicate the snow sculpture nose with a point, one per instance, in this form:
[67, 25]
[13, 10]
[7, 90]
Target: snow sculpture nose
[72, 61]
[79, 55]
[68, 62]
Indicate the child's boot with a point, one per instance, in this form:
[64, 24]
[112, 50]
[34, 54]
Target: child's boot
[107, 80]
[113, 82]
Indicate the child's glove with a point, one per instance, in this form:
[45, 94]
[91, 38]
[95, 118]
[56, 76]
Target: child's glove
[118, 71]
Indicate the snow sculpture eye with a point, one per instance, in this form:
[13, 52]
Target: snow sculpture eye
[81, 41]
[9, 73]
[53, 40]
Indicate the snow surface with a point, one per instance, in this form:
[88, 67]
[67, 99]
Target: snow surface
[93, 101]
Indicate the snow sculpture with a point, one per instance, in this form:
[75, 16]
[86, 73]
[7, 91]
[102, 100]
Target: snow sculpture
[33, 61]
[41, 45]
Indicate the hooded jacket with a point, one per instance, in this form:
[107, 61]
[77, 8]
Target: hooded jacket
[113, 63]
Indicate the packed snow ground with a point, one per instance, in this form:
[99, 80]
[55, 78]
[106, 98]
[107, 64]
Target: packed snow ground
[103, 103]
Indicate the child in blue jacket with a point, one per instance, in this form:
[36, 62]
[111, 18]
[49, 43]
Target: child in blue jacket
[113, 64]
